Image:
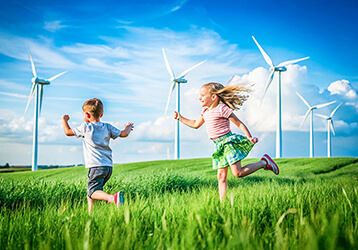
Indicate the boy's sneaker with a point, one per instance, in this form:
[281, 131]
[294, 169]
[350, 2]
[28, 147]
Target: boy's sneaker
[118, 199]
[270, 164]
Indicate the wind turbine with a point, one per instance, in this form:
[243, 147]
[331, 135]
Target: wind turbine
[37, 89]
[329, 128]
[176, 82]
[310, 110]
[279, 68]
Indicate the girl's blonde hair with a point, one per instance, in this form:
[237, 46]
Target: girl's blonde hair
[231, 95]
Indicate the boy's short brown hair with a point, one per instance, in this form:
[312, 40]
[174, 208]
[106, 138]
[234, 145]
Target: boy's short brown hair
[93, 106]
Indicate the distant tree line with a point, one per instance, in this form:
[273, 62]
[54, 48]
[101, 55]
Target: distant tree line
[7, 165]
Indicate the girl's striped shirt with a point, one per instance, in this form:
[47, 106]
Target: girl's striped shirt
[217, 120]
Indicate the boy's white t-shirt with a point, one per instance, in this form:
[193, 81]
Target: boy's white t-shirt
[95, 138]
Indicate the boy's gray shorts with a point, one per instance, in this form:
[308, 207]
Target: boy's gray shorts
[97, 177]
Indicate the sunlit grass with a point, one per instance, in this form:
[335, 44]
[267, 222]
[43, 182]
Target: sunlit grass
[175, 204]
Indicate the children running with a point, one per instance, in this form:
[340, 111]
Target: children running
[219, 102]
[97, 153]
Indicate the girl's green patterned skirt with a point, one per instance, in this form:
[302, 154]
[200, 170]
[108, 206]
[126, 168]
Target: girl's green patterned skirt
[229, 149]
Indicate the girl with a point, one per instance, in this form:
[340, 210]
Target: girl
[219, 102]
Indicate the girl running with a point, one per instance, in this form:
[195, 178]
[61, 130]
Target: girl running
[219, 102]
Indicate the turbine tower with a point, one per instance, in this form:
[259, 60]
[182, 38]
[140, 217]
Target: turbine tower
[176, 82]
[279, 68]
[329, 128]
[310, 110]
[37, 89]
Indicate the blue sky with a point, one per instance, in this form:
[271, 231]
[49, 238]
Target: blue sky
[112, 51]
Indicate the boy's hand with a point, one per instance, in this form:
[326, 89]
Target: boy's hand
[127, 129]
[65, 117]
[177, 116]
[130, 125]
[66, 127]
[254, 140]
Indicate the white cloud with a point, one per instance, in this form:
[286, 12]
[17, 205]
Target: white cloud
[153, 149]
[13, 95]
[262, 118]
[98, 51]
[124, 22]
[11, 86]
[15, 127]
[162, 129]
[344, 88]
[54, 26]
[42, 49]
[74, 149]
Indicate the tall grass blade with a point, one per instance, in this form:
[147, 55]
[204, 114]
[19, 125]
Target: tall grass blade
[349, 202]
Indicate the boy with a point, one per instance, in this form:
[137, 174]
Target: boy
[97, 153]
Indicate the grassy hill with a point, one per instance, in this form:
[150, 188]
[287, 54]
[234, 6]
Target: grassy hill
[175, 204]
[289, 168]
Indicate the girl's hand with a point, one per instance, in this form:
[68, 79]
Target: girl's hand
[177, 116]
[254, 140]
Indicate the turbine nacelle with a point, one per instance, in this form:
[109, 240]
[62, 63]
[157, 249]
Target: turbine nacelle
[280, 69]
[179, 80]
[40, 81]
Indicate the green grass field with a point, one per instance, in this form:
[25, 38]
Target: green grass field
[312, 204]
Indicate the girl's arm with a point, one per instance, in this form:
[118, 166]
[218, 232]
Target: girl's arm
[190, 123]
[243, 127]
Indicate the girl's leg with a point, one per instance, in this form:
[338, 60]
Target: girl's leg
[222, 180]
[239, 171]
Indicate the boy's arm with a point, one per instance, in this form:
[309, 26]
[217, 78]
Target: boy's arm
[190, 123]
[66, 127]
[243, 127]
[127, 129]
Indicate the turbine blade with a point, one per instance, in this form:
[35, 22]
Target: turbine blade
[31, 95]
[269, 80]
[41, 95]
[283, 64]
[305, 102]
[332, 127]
[305, 117]
[32, 65]
[323, 116]
[170, 94]
[324, 105]
[54, 77]
[171, 73]
[188, 70]
[334, 111]
[228, 82]
[264, 54]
